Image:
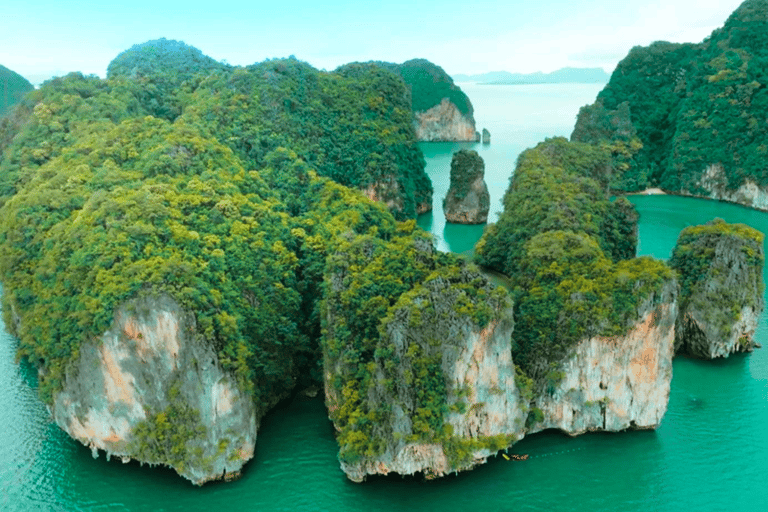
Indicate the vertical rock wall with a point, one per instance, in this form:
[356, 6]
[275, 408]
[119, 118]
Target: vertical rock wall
[444, 122]
[721, 271]
[468, 200]
[152, 389]
[613, 384]
[485, 411]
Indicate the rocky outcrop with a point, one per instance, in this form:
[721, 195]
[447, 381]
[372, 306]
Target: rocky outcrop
[721, 273]
[715, 182]
[444, 122]
[613, 384]
[438, 346]
[468, 200]
[389, 192]
[486, 136]
[152, 389]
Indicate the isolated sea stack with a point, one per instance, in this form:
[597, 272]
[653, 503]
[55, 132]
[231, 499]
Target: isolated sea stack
[486, 136]
[721, 278]
[467, 201]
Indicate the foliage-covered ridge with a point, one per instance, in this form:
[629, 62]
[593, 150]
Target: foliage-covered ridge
[568, 251]
[395, 318]
[694, 109]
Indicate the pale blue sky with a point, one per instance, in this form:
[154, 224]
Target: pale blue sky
[49, 37]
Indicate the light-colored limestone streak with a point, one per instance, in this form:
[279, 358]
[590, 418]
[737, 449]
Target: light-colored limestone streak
[619, 383]
[127, 374]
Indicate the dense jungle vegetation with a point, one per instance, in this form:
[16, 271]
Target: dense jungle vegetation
[394, 313]
[13, 87]
[179, 174]
[684, 107]
[569, 252]
[429, 84]
[232, 190]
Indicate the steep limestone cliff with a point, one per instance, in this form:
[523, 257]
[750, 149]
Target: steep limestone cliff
[715, 184]
[721, 275]
[613, 384]
[444, 122]
[468, 200]
[152, 389]
[442, 112]
[436, 391]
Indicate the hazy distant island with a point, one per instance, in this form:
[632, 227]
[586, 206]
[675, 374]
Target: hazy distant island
[564, 75]
[186, 243]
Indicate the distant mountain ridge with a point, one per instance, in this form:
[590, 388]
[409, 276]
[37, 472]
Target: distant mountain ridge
[564, 75]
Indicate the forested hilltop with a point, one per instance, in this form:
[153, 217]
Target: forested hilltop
[441, 109]
[352, 125]
[692, 115]
[569, 252]
[147, 179]
[226, 199]
[13, 87]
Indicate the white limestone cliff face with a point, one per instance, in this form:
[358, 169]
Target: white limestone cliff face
[614, 384]
[150, 359]
[478, 370]
[444, 122]
[716, 183]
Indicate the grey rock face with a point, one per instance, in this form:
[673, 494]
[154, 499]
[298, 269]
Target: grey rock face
[721, 304]
[151, 362]
[444, 122]
[613, 384]
[468, 200]
[714, 180]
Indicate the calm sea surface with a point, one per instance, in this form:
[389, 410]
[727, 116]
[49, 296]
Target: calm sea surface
[710, 453]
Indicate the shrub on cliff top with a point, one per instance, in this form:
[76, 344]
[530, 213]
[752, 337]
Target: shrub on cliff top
[428, 84]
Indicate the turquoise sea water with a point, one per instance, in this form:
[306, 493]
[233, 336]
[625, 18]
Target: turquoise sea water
[710, 453]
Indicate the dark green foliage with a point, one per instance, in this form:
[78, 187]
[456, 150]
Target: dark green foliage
[13, 87]
[160, 67]
[353, 125]
[720, 270]
[52, 118]
[613, 130]
[429, 84]
[385, 303]
[558, 185]
[466, 167]
[103, 198]
[567, 250]
[693, 106]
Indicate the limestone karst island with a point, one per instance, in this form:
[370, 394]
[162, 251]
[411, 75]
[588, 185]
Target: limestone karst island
[186, 243]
